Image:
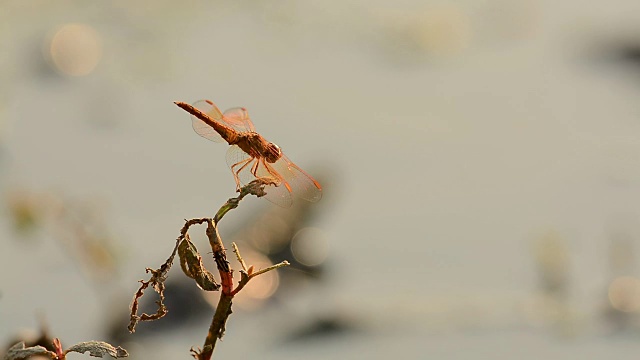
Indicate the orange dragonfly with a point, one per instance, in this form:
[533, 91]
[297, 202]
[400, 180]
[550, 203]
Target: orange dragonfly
[251, 156]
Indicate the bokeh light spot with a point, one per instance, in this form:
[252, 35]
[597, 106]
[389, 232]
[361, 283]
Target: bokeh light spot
[270, 234]
[309, 246]
[263, 286]
[75, 49]
[624, 294]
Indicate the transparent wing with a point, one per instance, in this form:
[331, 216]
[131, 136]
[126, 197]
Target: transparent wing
[302, 184]
[279, 192]
[238, 118]
[202, 128]
[236, 158]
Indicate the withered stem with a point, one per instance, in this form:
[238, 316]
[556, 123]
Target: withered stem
[223, 310]
[191, 264]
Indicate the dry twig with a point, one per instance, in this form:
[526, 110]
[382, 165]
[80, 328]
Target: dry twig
[191, 264]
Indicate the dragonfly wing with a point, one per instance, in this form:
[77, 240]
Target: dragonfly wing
[238, 118]
[278, 195]
[202, 128]
[279, 192]
[301, 183]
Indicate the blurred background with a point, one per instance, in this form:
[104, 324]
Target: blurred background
[480, 163]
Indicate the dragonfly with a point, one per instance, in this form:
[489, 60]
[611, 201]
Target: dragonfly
[250, 156]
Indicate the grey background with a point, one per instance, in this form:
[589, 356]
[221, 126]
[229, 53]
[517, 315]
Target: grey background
[450, 137]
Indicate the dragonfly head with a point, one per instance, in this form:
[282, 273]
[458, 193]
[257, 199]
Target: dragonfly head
[273, 153]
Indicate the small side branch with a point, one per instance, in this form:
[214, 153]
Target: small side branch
[240, 259]
[247, 273]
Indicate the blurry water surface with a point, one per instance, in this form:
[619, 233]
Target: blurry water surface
[480, 164]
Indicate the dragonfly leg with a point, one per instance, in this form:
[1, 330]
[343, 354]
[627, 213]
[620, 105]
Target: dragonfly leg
[254, 168]
[264, 179]
[236, 174]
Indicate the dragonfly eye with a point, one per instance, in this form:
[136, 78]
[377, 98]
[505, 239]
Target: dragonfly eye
[274, 153]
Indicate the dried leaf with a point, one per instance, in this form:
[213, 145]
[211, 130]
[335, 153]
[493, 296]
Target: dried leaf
[98, 349]
[19, 352]
[192, 266]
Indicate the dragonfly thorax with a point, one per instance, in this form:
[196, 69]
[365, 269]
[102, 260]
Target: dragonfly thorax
[258, 147]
